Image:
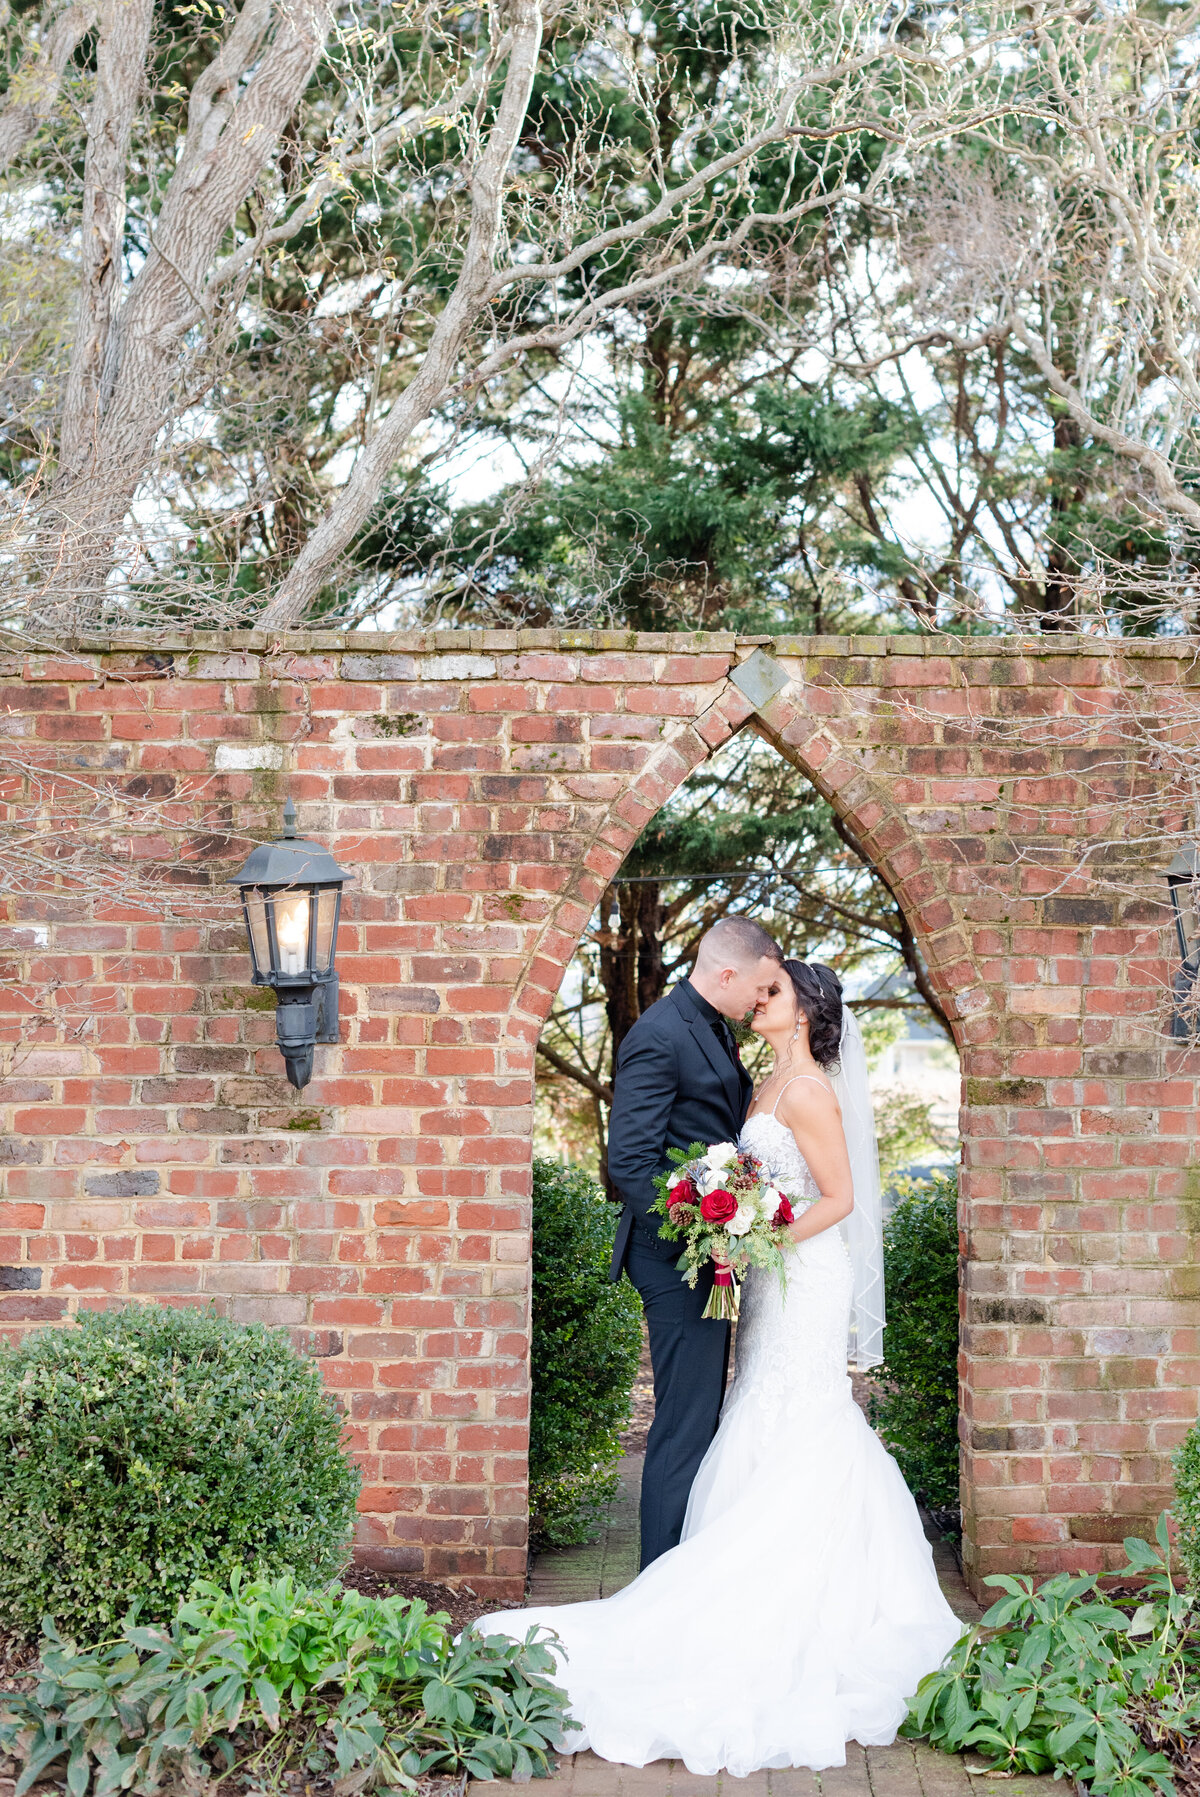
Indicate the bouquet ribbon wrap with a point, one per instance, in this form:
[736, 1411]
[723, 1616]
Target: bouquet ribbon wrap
[725, 1298]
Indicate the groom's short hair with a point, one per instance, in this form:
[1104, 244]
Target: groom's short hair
[736, 942]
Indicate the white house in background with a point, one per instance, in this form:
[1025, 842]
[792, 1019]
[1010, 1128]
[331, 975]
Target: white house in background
[922, 1064]
[922, 1061]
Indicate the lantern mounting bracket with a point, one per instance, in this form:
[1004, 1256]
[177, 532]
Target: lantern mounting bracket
[326, 999]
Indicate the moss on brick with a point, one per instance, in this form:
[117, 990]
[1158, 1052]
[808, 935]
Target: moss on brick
[1006, 1310]
[404, 723]
[244, 998]
[1189, 1201]
[1005, 1091]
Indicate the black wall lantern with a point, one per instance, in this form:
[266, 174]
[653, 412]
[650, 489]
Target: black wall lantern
[1183, 879]
[291, 897]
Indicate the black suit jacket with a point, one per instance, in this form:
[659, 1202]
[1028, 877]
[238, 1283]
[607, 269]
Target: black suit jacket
[675, 1084]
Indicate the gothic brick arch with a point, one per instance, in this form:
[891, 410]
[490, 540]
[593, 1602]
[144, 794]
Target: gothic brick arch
[865, 803]
[482, 785]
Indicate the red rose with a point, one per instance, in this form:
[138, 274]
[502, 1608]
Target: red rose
[683, 1193]
[718, 1206]
[784, 1214]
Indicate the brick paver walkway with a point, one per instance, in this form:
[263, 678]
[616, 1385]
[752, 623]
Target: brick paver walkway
[572, 1575]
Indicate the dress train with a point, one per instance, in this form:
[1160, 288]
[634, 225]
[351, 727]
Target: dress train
[801, 1608]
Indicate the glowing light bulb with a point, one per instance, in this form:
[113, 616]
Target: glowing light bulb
[291, 928]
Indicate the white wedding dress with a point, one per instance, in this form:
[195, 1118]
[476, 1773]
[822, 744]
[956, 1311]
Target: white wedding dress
[801, 1608]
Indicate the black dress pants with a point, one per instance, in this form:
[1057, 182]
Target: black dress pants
[690, 1357]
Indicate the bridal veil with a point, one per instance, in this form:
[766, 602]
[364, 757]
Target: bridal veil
[862, 1230]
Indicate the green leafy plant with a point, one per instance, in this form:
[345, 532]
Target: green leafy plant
[141, 1449]
[584, 1354]
[1186, 1508]
[295, 1637]
[261, 1677]
[1063, 1678]
[916, 1407]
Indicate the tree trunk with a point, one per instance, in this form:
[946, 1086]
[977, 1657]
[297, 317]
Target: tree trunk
[239, 106]
[631, 966]
[350, 511]
[902, 933]
[1067, 493]
[120, 79]
[631, 957]
[618, 962]
[651, 975]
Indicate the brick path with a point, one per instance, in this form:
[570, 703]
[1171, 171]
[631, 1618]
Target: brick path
[572, 1575]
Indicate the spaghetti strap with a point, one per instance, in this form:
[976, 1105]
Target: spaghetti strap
[791, 1082]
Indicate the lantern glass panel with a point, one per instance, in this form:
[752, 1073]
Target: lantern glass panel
[292, 911]
[1187, 895]
[254, 903]
[323, 940]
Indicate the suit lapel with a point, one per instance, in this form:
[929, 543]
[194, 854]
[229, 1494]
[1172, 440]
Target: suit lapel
[719, 1061]
[745, 1089]
[745, 1084]
[732, 1074]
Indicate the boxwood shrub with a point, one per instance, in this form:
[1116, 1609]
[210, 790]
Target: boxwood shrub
[916, 1410]
[143, 1448]
[587, 1336]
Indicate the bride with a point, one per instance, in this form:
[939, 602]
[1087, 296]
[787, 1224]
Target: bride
[801, 1608]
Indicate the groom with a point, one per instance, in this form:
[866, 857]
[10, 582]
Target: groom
[678, 1080]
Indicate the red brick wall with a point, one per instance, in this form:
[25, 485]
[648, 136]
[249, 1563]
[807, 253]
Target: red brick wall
[482, 786]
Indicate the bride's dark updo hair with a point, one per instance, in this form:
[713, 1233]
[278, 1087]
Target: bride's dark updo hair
[819, 995]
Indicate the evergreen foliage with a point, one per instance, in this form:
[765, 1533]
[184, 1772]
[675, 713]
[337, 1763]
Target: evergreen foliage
[716, 525]
[587, 1338]
[144, 1448]
[917, 1411]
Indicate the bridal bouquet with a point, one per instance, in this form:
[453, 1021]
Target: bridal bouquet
[722, 1205]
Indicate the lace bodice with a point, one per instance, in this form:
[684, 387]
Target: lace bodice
[792, 1346]
[767, 1136]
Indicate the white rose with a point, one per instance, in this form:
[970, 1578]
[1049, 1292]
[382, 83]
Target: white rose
[772, 1198]
[742, 1219]
[722, 1155]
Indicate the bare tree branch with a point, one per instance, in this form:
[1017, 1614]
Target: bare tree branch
[35, 85]
[580, 1075]
[670, 264]
[1164, 475]
[350, 512]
